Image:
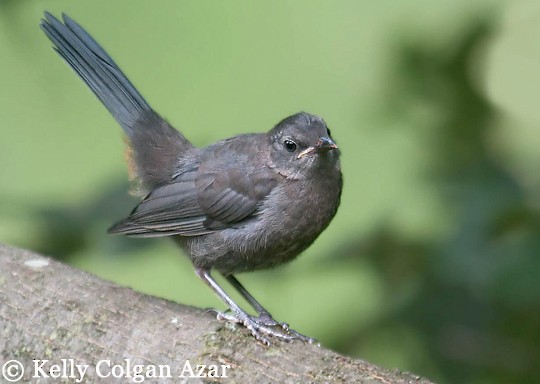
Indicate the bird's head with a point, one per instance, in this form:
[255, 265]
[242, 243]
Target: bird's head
[301, 144]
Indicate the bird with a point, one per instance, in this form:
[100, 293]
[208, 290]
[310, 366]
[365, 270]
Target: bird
[245, 203]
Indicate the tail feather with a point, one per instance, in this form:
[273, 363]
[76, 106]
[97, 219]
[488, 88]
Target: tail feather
[97, 69]
[154, 146]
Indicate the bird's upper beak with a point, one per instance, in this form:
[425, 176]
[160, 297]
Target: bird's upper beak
[324, 144]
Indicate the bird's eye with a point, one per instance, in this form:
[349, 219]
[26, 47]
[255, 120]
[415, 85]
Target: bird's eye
[289, 145]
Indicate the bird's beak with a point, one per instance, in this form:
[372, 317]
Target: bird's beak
[324, 144]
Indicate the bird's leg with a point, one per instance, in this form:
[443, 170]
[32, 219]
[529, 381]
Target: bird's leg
[264, 318]
[258, 329]
[264, 315]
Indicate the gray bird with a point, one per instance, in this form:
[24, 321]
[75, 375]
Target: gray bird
[249, 202]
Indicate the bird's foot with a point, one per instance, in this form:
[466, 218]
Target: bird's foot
[264, 325]
[266, 319]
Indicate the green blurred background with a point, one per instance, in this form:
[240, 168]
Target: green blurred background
[432, 263]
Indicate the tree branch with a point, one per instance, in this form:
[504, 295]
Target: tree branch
[50, 311]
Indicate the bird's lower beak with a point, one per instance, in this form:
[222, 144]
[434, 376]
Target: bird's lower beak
[324, 144]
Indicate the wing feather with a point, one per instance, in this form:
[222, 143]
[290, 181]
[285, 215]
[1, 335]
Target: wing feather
[198, 203]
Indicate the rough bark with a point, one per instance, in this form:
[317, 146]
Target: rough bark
[50, 311]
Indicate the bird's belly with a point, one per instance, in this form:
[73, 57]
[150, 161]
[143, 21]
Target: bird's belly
[256, 254]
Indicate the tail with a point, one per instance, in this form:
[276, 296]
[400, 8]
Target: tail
[97, 69]
[155, 145]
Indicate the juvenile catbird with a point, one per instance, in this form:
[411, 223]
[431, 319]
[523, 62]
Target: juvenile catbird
[249, 202]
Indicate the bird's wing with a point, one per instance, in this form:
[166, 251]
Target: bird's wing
[197, 203]
[231, 196]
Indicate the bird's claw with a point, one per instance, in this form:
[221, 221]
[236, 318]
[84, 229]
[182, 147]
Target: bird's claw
[264, 324]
